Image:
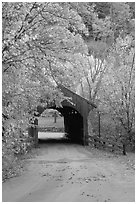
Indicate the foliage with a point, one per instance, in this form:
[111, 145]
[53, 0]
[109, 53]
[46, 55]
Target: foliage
[81, 45]
[37, 39]
[92, 71]
[111, 41]
[118, 90]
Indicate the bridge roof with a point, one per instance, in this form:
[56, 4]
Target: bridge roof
[75, 97]
[77, 102]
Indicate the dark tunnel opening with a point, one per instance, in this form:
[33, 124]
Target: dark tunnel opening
[73, 124]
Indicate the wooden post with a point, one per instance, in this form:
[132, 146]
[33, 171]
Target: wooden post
[36, 132]
[98, 123]
[85, 131]
[30, 131]
[124, 149]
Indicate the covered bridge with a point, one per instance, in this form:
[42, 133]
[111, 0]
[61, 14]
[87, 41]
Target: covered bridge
[75, 114]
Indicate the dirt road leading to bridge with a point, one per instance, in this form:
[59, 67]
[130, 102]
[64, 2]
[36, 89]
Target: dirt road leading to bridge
[71, 173]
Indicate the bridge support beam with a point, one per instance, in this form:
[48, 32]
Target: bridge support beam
[85, 136]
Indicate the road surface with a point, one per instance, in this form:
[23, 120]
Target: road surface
[64, 172]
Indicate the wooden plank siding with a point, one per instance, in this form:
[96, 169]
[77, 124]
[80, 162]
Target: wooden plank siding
[82, 105]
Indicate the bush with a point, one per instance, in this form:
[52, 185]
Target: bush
[13, 146]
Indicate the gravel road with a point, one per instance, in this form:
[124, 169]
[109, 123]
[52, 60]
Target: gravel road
[64, 172]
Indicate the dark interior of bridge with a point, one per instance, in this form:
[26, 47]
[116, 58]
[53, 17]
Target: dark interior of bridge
[73, 123]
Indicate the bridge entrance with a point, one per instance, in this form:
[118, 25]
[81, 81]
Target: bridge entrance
[75, 115]
[73, 123]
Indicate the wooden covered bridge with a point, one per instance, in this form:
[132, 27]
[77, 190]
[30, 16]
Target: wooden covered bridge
[75, 115]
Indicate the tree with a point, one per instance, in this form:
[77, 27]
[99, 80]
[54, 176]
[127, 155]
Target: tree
[118, 89]
[111, 41]
[38, 38]
[89, 72]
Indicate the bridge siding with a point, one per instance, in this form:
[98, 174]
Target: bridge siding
[80, 104]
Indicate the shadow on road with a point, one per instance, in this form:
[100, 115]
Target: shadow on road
[54, 138]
